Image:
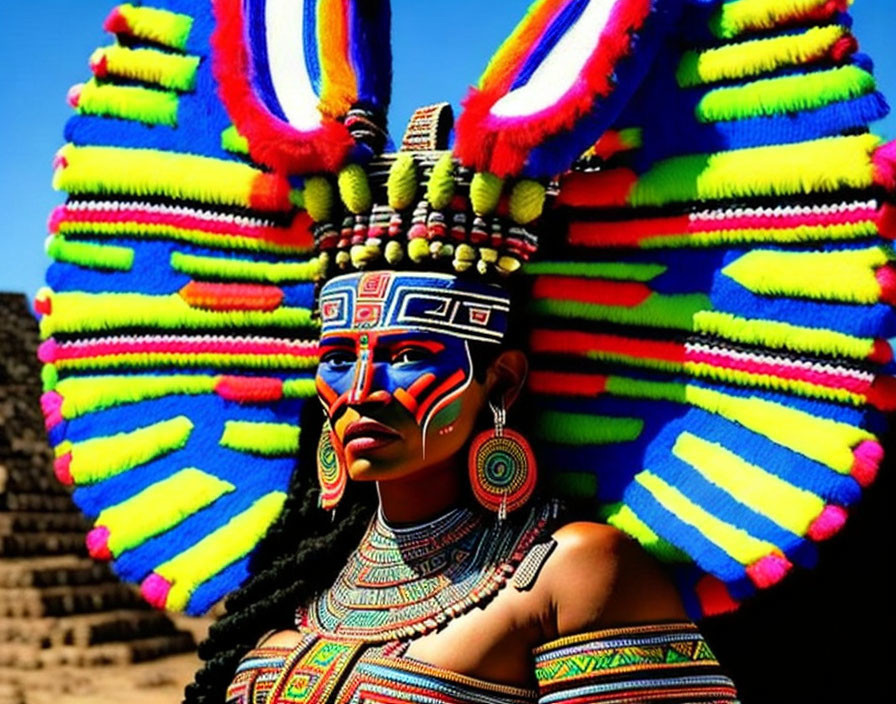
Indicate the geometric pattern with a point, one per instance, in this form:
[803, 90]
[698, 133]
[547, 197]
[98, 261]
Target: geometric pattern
[434, 302]
[668, 660]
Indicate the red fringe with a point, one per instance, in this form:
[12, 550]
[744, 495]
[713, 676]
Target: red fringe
[882, 393]
[582, 343]
[881, 352]
[116, 23]
[213, 296]
[249, 389]
[886, 221]
[595, 291]
[490, 144]
[272, 141]
[886, 277]
[567, 384]
[843, 48]
[714, 596]
[596, 190]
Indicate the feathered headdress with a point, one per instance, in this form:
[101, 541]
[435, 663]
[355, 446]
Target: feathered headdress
[711, 296]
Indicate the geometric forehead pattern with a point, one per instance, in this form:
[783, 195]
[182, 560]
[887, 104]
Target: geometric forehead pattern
[441, 303]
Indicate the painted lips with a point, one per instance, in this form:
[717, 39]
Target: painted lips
[362, 435]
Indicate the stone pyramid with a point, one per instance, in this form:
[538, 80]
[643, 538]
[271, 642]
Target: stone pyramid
[57, 606]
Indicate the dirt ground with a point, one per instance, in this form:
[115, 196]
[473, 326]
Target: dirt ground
[156, 682]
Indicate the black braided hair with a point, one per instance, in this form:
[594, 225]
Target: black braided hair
[287, 570]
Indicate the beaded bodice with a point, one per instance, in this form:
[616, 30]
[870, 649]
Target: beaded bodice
[402, 582]
[327, 669]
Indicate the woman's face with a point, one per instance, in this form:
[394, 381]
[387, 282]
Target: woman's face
[398, 400]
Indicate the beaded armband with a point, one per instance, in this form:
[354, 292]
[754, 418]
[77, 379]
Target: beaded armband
[655, 662]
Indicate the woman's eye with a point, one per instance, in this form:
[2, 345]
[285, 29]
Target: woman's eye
[406, 355]
[338, 359]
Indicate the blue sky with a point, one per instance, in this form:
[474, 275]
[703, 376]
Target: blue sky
[44, 50]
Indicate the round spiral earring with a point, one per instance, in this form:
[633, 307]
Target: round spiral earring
[502, 466]
[331, 472]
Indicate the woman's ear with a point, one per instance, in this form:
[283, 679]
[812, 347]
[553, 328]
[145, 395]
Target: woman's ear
[506, 376]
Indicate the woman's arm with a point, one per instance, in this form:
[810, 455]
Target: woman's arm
[619, 629]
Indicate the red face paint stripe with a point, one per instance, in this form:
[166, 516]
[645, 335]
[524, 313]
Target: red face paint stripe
[455, 379]
[419, 386]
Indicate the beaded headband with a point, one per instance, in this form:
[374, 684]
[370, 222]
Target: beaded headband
[440, 303]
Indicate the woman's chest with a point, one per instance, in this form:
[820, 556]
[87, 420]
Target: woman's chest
[328, 669]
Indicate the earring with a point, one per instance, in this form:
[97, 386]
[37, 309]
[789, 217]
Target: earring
[502, 467]
[331, 472]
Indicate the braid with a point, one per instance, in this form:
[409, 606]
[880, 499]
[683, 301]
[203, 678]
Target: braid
[286, 571]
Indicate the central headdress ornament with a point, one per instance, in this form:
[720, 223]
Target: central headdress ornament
[709, 318]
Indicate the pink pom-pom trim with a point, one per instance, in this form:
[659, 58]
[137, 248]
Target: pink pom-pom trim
[155, 590]
[56, 217]
[828, 523]
[769, 570]
[74, 94]
[98, 543]
[48, 350]
[868, 455]
[886, 277]
[51, 404]
[62, 469]
[884, 160]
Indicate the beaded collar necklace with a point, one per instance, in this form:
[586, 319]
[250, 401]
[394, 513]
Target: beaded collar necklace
[401, 582]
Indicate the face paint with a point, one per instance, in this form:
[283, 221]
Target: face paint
[422, 372]
[398, 394]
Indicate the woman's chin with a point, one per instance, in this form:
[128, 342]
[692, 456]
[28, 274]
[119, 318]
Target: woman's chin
[372, 469]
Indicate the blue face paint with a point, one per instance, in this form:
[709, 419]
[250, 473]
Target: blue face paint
[421, 371]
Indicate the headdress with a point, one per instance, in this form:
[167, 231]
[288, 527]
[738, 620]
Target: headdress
[710, 300]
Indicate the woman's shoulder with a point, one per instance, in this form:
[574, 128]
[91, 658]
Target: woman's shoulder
[599, 577]
[279, 639]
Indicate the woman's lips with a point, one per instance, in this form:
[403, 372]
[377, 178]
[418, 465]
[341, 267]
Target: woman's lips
[361, 435]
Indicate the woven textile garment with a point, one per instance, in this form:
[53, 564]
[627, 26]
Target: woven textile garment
[710, 303]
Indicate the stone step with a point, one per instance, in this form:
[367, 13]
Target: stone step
[62, 601]
[37, 502]
[86, 629]
[29, 657]
[52, 571]
[37, 522]
[24, 544]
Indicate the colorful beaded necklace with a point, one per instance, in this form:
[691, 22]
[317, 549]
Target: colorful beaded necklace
[403, 582]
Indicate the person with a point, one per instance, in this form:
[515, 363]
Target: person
[425, 597]
[674, 320]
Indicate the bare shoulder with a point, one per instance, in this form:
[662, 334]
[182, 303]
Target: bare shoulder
[599, 577]
[279, 639]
